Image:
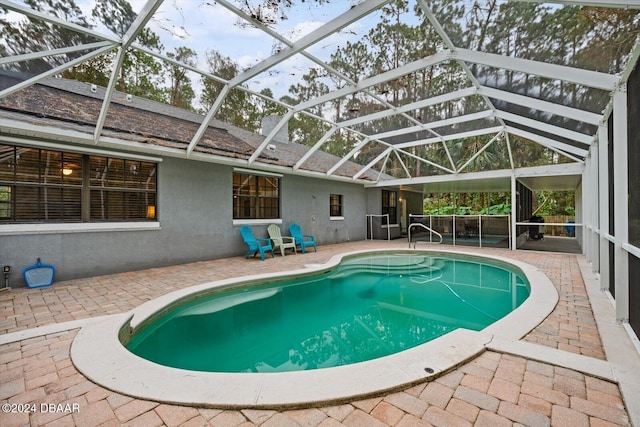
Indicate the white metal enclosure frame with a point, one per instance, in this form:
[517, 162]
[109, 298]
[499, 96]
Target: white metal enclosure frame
[499, 119]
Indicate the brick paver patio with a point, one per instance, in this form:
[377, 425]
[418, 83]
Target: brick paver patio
[494, 389]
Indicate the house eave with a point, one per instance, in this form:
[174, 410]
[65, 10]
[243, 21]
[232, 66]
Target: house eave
[16, 131]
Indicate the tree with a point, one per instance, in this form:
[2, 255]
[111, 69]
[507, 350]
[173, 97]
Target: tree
[353, 62]
[221, 66]
[614, 33]
[263, 107]
[180, 92]
[304, 129]
[236, 108]
[391, 41]
[116, 15]
[33, 35]
[140, 73]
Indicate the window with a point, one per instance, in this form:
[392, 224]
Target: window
[122, 189]
[390, 205]
[335, 205]
[48, 186]
[256, 196]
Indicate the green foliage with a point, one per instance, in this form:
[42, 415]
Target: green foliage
[500, 209]
[545, 203]
[443, 210]
[554, 203]
[468, 204]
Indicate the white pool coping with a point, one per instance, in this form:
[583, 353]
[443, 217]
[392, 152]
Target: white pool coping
[99, 355]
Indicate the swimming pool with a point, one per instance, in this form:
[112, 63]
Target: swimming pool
[369, 306]
[98, 352]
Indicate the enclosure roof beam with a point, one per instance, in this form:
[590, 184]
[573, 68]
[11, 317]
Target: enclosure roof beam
[377, 79]
[331, 27]
[37, 15]
[547, 170]
[287, 42]
[54, 52]
[561, 169]
[423, 160]
[270, 137]
[141, 20]
[438, 123]
[579, 76]
[298, 46]
[205, 123]
[480, 151]
[449, 43]
[315, 147]
[627, 4]
[373, 162]
[456, 94]
[466, 176]
[349, 155]
[32, 13]
[461, 135]
[55, 70]
[402, 163]
[540, 105]
[545, 127]
[557, 146]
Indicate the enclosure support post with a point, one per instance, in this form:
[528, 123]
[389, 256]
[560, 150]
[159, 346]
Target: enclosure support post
[514, 209]
[593, 220]
[621, 203]
[583, 199]
[603, 205]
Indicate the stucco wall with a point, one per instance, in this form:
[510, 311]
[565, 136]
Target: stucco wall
[195, 216]
[306, 201]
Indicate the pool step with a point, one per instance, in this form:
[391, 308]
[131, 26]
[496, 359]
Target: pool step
[421, 265]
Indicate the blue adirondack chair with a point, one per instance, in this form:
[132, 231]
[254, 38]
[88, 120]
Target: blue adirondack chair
[303, 240]
[255, 244]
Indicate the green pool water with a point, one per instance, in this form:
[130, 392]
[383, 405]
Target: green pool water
[367, 307]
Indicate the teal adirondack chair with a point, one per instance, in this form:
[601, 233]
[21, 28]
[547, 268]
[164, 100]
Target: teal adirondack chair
[303, 240]
[255, 244]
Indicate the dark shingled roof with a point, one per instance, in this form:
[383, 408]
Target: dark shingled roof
[72, 105]
[60, 101]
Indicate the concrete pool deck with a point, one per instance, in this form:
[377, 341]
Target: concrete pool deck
[578, 367]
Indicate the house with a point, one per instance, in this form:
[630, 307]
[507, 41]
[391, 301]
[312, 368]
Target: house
[138, 201]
